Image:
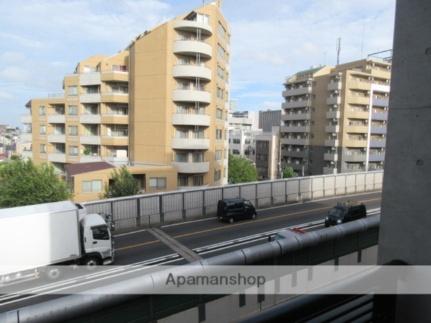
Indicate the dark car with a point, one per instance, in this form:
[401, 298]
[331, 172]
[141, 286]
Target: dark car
[232, 210]
[343, 213]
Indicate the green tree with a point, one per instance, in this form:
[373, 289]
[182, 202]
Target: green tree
[122, 184]
[24, 183]
[289, 172]
[241, 170]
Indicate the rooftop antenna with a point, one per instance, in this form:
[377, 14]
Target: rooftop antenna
[338, 49]
[362, 39]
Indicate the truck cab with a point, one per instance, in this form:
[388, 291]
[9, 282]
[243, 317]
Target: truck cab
[97, 241]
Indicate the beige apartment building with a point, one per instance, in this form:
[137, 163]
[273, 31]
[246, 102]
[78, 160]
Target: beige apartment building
[334, 118]
[158, 106]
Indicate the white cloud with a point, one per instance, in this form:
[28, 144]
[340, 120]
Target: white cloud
[14, 74]
[5, 96]
[11, 57]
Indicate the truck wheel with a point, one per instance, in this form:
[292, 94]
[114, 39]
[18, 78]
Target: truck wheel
[53, 273]
[231, 220]
[91, 262]
[253, 216]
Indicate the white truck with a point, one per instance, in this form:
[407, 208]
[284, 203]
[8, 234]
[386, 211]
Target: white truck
[60, 233]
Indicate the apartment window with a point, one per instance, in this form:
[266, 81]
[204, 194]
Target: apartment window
[73, 151]
[218, 154]
[72, 110]
[221, 53]
[202, 18]
[42, 149]
[94, 186]
[219, 114]
[72, 90]
[236, 141]
[72, 130]
[199, 133]
[119, 68]
[42, 110]
[181, 157]
[198, 180]
[220, 72]
[42, 130]
[217, 175]
[221, 30]
[118, 131]
[220, 93]
[198, 157]
[158, 182]
[182, 133]
[219, 134]
[183, 180]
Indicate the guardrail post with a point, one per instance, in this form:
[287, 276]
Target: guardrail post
[183, 204]
[162, 216]
[345, 184]
[112, 210]
[299, 190]
[285, 192]
[374, 181]
[204, 209]
[272, 193]
[256, 195]
[311, 194]
[138, 212]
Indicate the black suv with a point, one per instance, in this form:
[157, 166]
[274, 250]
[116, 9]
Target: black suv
[343, 213]
[232, 210]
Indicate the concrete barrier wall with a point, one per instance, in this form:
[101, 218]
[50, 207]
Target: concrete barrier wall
[171, 207]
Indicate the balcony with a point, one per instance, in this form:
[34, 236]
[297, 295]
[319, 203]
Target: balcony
[359, 85]
[377, 143]
[192, 25]
[115, 97]
[90, 140]
[296, 104]
[332, 128]
[115, 118]
[292, 141]
[333, 114]
[61, 138]
[90, 118]
[26, 137]
[357, 114]
[190, 143]
[191, 96]
[297, 91]
[56, 118]
[330, 156]
[192, 47]
[192, 71]
[356, 129]
[92, 78]
[26, 118]
[89, 159]
[90, 98]
[296, 116]
[117, 160]
[378, 129]
[329, 170]
[295, 129]
[357, 99]
[334, 86]
[115, 76]
[191, 119]
[332, 142]
[57, 157]
[355, 143]
[380, 102]
[355, 157]
[379, 116]
[376, 157]
[333, 100]
[296, 153]
[191, 167]
[115, 140]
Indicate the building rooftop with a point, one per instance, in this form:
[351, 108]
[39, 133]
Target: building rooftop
[79, 168]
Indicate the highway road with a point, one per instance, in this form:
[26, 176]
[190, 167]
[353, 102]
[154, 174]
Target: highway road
[203, 238]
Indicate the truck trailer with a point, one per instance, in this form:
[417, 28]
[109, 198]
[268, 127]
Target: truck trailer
[51, 234]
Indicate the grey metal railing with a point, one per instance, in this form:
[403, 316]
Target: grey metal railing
[115, 300]
[178, 206]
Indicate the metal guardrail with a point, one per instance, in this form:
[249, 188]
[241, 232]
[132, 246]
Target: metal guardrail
[100, 304]
[178, 206]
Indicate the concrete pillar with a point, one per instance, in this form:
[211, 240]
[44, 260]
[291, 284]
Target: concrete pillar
[405, 230]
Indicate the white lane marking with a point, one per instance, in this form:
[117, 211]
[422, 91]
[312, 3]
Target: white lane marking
[263, 209]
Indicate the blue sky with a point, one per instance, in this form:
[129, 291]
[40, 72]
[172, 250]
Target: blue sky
[41, 41]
